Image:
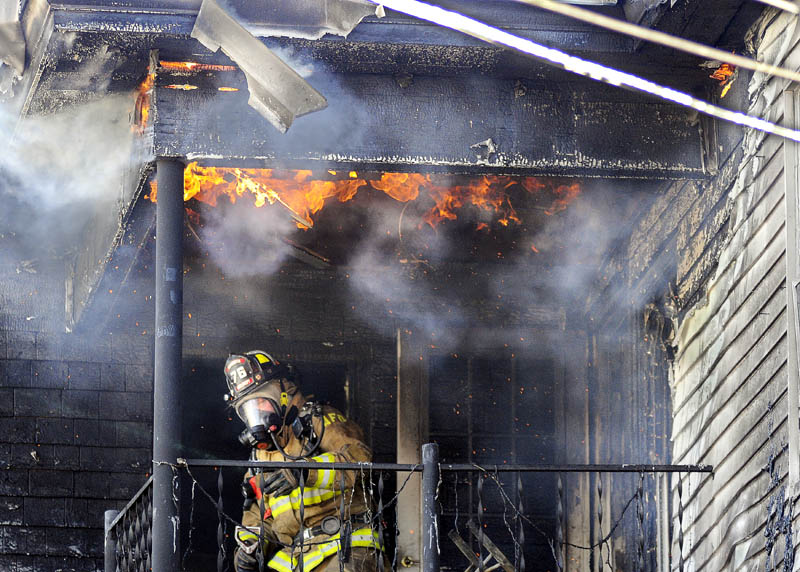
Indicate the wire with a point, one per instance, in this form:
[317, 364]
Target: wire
[196, 483]
[592, 70]
[668, 40]
[506, 498]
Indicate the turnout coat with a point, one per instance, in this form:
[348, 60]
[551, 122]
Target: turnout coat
[326, 493]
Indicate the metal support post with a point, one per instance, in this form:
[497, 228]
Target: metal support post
[167, 367]
[430, 523]
[110, 553]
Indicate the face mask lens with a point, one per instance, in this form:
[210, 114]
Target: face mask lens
[258, 412]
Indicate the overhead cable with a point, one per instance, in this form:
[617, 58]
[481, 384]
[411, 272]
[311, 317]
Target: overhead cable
[556, 58]
[661, 38]
[787, 5]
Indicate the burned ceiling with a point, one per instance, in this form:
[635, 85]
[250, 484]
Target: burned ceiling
[403, 96]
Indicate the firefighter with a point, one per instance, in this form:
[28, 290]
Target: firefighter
[338, 523]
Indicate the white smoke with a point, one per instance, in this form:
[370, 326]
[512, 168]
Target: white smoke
[243, 240]
[58, 170]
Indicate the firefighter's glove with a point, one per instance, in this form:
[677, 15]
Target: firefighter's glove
[245, 562]
[283, 482]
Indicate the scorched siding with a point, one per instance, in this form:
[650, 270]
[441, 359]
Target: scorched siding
[729, 386]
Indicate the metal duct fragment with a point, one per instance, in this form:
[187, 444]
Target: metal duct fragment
[277, 92]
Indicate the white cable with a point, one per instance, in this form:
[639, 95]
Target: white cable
[787, 5]
[477, 29]
[668, 40]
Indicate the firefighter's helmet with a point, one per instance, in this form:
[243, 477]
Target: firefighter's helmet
[247, 372]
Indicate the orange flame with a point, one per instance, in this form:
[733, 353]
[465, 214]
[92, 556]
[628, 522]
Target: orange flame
[142, 108]
[565, 194]
[194, 66]
[723, 73]
[303, 195]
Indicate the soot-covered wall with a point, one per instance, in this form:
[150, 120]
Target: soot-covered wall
[75, 421]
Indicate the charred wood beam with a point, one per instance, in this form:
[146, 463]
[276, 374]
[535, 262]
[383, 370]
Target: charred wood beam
[467, 124]
[114, 42]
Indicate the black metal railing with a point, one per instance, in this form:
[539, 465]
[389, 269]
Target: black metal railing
[128, 534]
[482, 538]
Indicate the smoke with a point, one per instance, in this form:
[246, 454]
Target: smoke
[395, 274]
[244, 241]
[60, 170]
[464, 286]
[290, 56]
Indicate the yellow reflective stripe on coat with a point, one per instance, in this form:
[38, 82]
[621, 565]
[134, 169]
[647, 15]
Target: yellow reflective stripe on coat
[281, 562]
[363, 537]
[366, 537]
[291, 501]
[324, 477]
[246, 535]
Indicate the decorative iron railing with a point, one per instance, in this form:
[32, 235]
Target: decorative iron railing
[481, 538]
[128, 534]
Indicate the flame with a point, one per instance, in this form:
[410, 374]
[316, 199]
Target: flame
[299, 193]
[143, 92]
[565, 194]
[194, 66]
[304, 196]
[142, 108]
[725, 74]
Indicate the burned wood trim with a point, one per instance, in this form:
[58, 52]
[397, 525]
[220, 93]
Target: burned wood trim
[374, 123]
[177, 21]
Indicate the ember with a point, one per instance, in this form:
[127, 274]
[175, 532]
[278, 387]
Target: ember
[304, 195]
